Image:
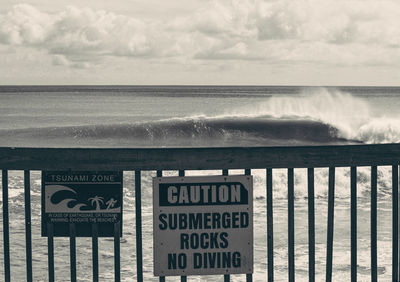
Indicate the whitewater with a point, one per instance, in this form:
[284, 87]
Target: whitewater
[190, 116]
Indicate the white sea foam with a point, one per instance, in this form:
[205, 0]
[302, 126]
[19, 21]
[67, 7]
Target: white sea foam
[380, 130]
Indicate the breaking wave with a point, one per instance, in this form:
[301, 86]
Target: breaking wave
[350, 116]
[227, 131]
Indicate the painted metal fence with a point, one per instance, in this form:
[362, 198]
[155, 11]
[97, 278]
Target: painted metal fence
[181, 159]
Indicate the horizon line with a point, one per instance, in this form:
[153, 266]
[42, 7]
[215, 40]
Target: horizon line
[192, 85]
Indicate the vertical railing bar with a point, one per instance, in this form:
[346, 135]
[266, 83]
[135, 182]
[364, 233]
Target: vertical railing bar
[227, 277]
[160, 174]
[182, 174]
[374, 257]
[117, 257]
[72, 251]
[28, 232]
[353, 222]
[395, 223]
[95, 252]
[50, 250]
[270, 226]
[311, 226]
[249, 276]
[331, 209]
[291, 224]
[398, 226]
[6, 230]
[138, 207]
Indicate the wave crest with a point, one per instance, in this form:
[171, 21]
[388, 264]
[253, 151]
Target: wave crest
[341, 110]
[349, 115]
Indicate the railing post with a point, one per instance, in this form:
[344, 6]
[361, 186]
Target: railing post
[311, 226]
[138, 208]
[72, 251]
[249, 276]
[50, 250]
[270, 226]
[331, 209]
[6, 230]
[395, 223]
[291, 224]
[95, 252]
[182, 173]
[28, 233]
[160, 174]
[227, 277]
[353, 222]
[374, 256]
[117, 260]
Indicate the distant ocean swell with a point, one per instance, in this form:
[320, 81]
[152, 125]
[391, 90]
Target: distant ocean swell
[312, 117]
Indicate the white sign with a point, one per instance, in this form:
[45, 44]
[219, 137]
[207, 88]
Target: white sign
[203, 225]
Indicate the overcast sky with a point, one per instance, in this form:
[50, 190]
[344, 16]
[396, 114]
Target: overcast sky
[249, 42]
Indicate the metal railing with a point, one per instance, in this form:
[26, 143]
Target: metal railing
[181, 159]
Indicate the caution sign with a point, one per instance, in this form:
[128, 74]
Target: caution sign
[203, 225]
[83, 198]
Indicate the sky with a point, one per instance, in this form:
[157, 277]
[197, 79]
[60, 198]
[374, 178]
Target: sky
[200, 42]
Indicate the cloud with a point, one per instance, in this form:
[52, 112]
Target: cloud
[306, 31]
[76, 32]
[61, 60]
[284, 31]
[227, 19]
[24, 24]
[336, 22]
[239, 51]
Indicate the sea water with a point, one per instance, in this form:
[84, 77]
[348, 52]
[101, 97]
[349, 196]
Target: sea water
[188, 116]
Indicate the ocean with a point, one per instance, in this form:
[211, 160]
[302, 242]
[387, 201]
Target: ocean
[204, 116]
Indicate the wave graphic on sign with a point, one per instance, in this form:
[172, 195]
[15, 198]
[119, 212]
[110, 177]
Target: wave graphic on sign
[64, 205]
[72, 204]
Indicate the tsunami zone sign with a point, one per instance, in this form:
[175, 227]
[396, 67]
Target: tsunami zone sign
[82, 198]
[203, 225]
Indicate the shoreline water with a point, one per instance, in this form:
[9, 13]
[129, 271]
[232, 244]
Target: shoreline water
[341, 266]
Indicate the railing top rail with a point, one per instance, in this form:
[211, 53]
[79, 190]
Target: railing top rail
[197, 158]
